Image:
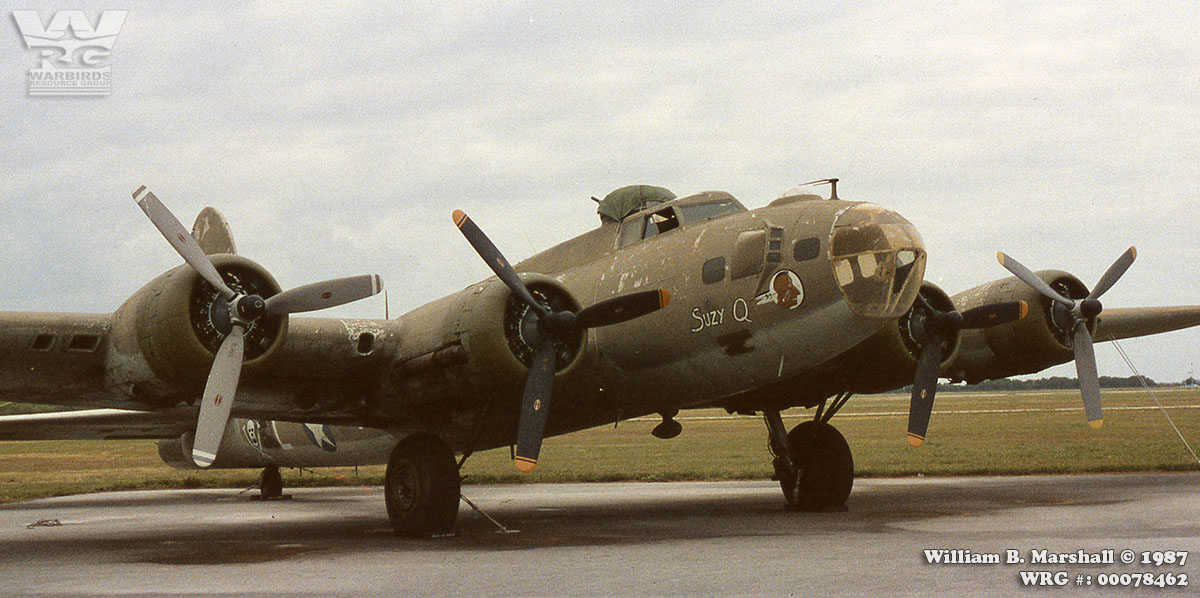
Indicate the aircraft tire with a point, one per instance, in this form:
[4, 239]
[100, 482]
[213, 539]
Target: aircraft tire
[422, 487]
[270, 483]
[825, 468]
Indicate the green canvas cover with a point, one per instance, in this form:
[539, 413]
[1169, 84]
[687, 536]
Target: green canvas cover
[627, 200]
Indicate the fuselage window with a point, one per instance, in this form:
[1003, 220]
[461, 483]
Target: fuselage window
[44, 341]
[84, 342]
[714, 270]
[806, 249]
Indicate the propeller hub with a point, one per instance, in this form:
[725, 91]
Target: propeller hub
[250, 308]
[1090, 308]
[944, 322]
[559, 323]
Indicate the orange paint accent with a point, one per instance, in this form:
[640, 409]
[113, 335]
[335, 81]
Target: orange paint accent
[525, 465]
[459, 217]
[914, 440]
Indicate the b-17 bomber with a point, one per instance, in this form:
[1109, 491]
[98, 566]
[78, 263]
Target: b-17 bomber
[672, 303]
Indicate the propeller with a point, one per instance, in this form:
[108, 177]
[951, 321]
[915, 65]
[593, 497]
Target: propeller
[931, 331]
[551, 326]
[1080, 312]
[221, 387]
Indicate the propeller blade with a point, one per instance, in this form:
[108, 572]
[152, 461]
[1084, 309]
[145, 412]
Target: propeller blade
[994, 314]
[495, 260]
[1031, 279]
[179, 238]
[1089, 379]
[1114, 273]
[623, 308]
[535, 405]
[320, 295]
[218, 397]
[924, 388]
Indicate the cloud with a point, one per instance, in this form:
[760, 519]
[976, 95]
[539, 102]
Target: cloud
[337, 139]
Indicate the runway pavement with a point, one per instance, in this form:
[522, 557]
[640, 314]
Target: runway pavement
[626, 539]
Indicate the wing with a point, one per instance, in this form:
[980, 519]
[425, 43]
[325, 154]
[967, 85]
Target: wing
[1122, 323]
[95, 424]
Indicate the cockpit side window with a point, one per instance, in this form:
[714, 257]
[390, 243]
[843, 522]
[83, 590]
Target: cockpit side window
[644, 227]
[631, 231]
[660, 222]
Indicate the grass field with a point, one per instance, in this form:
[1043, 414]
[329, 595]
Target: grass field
[970, 433]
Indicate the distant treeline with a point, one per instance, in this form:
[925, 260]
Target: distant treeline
[1051, 383]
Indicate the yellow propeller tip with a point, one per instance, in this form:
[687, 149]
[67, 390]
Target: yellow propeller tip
[1096, 424]
[1134, 251]
[915, 441]
[1024, 310]
[525, 465]
[1000, 257]
[664, 297]
[459, 217]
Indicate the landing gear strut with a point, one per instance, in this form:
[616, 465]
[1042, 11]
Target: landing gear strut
[812, 463]
[422, 487]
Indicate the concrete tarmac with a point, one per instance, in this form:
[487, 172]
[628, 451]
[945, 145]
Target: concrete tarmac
[626, 539]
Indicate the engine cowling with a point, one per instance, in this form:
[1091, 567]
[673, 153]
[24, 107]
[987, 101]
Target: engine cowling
[499, 330]
[1031, 344]
[166, 335]
[888, 358]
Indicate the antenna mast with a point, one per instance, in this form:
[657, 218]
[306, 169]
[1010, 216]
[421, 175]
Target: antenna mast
[832, 182]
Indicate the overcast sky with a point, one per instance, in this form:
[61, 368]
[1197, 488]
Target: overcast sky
[337, 139]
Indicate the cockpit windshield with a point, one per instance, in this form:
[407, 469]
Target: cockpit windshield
[878, 260]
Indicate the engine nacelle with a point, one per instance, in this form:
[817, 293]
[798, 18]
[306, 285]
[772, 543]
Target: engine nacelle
[485, 330]
[250, 443]
[166, 335]
[1039, 340]
[233, 454]
[888, 359]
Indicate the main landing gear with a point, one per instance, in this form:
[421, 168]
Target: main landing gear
[812, 462]
[422, 487]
